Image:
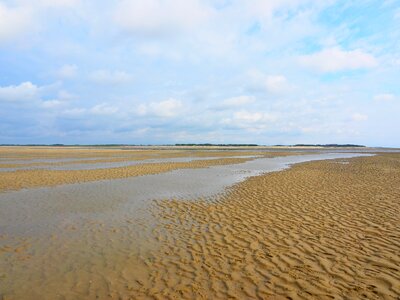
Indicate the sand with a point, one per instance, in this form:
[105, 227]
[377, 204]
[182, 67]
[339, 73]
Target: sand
[20, 179]
[319, 230]
[27, 153]
[14, 158]
[38, 178]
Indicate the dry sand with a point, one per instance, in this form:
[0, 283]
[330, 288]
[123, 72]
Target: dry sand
[320, 230]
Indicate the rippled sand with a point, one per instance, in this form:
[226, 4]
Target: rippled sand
[320, 230]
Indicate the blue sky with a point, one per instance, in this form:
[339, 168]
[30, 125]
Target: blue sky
[183, 71]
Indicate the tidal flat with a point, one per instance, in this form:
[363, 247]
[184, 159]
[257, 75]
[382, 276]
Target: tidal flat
[93, 223]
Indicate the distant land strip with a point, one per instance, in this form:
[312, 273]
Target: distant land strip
[326, 145]
[187, 145]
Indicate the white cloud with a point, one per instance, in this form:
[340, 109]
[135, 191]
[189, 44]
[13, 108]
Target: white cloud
[67, 71]
[62, 100]
[268, 83]
[26, 16]
[263, 34]
[384, 97]
[110, 77]
[238, 101]
[275, 84]
[358, 117]
[253, 117]
[23, 92]
[14, 21]
[103, 109]
[59, 3]
[250, 120]
[64, 95]
[49, 104]
[248, 117]
[335, 60]
[167, 108]
[74, 112]
[159, 17]
[141, 110]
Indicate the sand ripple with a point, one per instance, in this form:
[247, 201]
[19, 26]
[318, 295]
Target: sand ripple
[321, 230]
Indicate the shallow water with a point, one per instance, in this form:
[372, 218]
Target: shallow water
[107, 165]
[138, 162]
[34, 206]
[47, 160]
[88, 240]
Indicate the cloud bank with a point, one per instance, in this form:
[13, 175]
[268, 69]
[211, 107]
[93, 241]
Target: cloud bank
[175, 71]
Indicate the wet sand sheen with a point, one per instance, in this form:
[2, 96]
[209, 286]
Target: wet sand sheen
[36, 178]
[123, 162]
[241, 246]
[38, 161]
[23, 211]
[19, 179]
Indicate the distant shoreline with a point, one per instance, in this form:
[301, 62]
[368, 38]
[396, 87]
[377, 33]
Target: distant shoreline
[189, 145]
[211, 147]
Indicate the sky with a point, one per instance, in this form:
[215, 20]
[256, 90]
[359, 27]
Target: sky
[200, 71]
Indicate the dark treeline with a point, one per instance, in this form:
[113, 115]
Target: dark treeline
[219, 145]
[328, 145]
[63, 145]
[185, 145]
[39, 145]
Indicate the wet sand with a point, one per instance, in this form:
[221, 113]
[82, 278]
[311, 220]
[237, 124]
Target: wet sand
[44, 172]
[37, 178]
[30, 158]
[319, 230]
[107, 164]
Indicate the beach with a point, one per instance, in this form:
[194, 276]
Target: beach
[199, 149]
[220, 224]
[320, 230]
